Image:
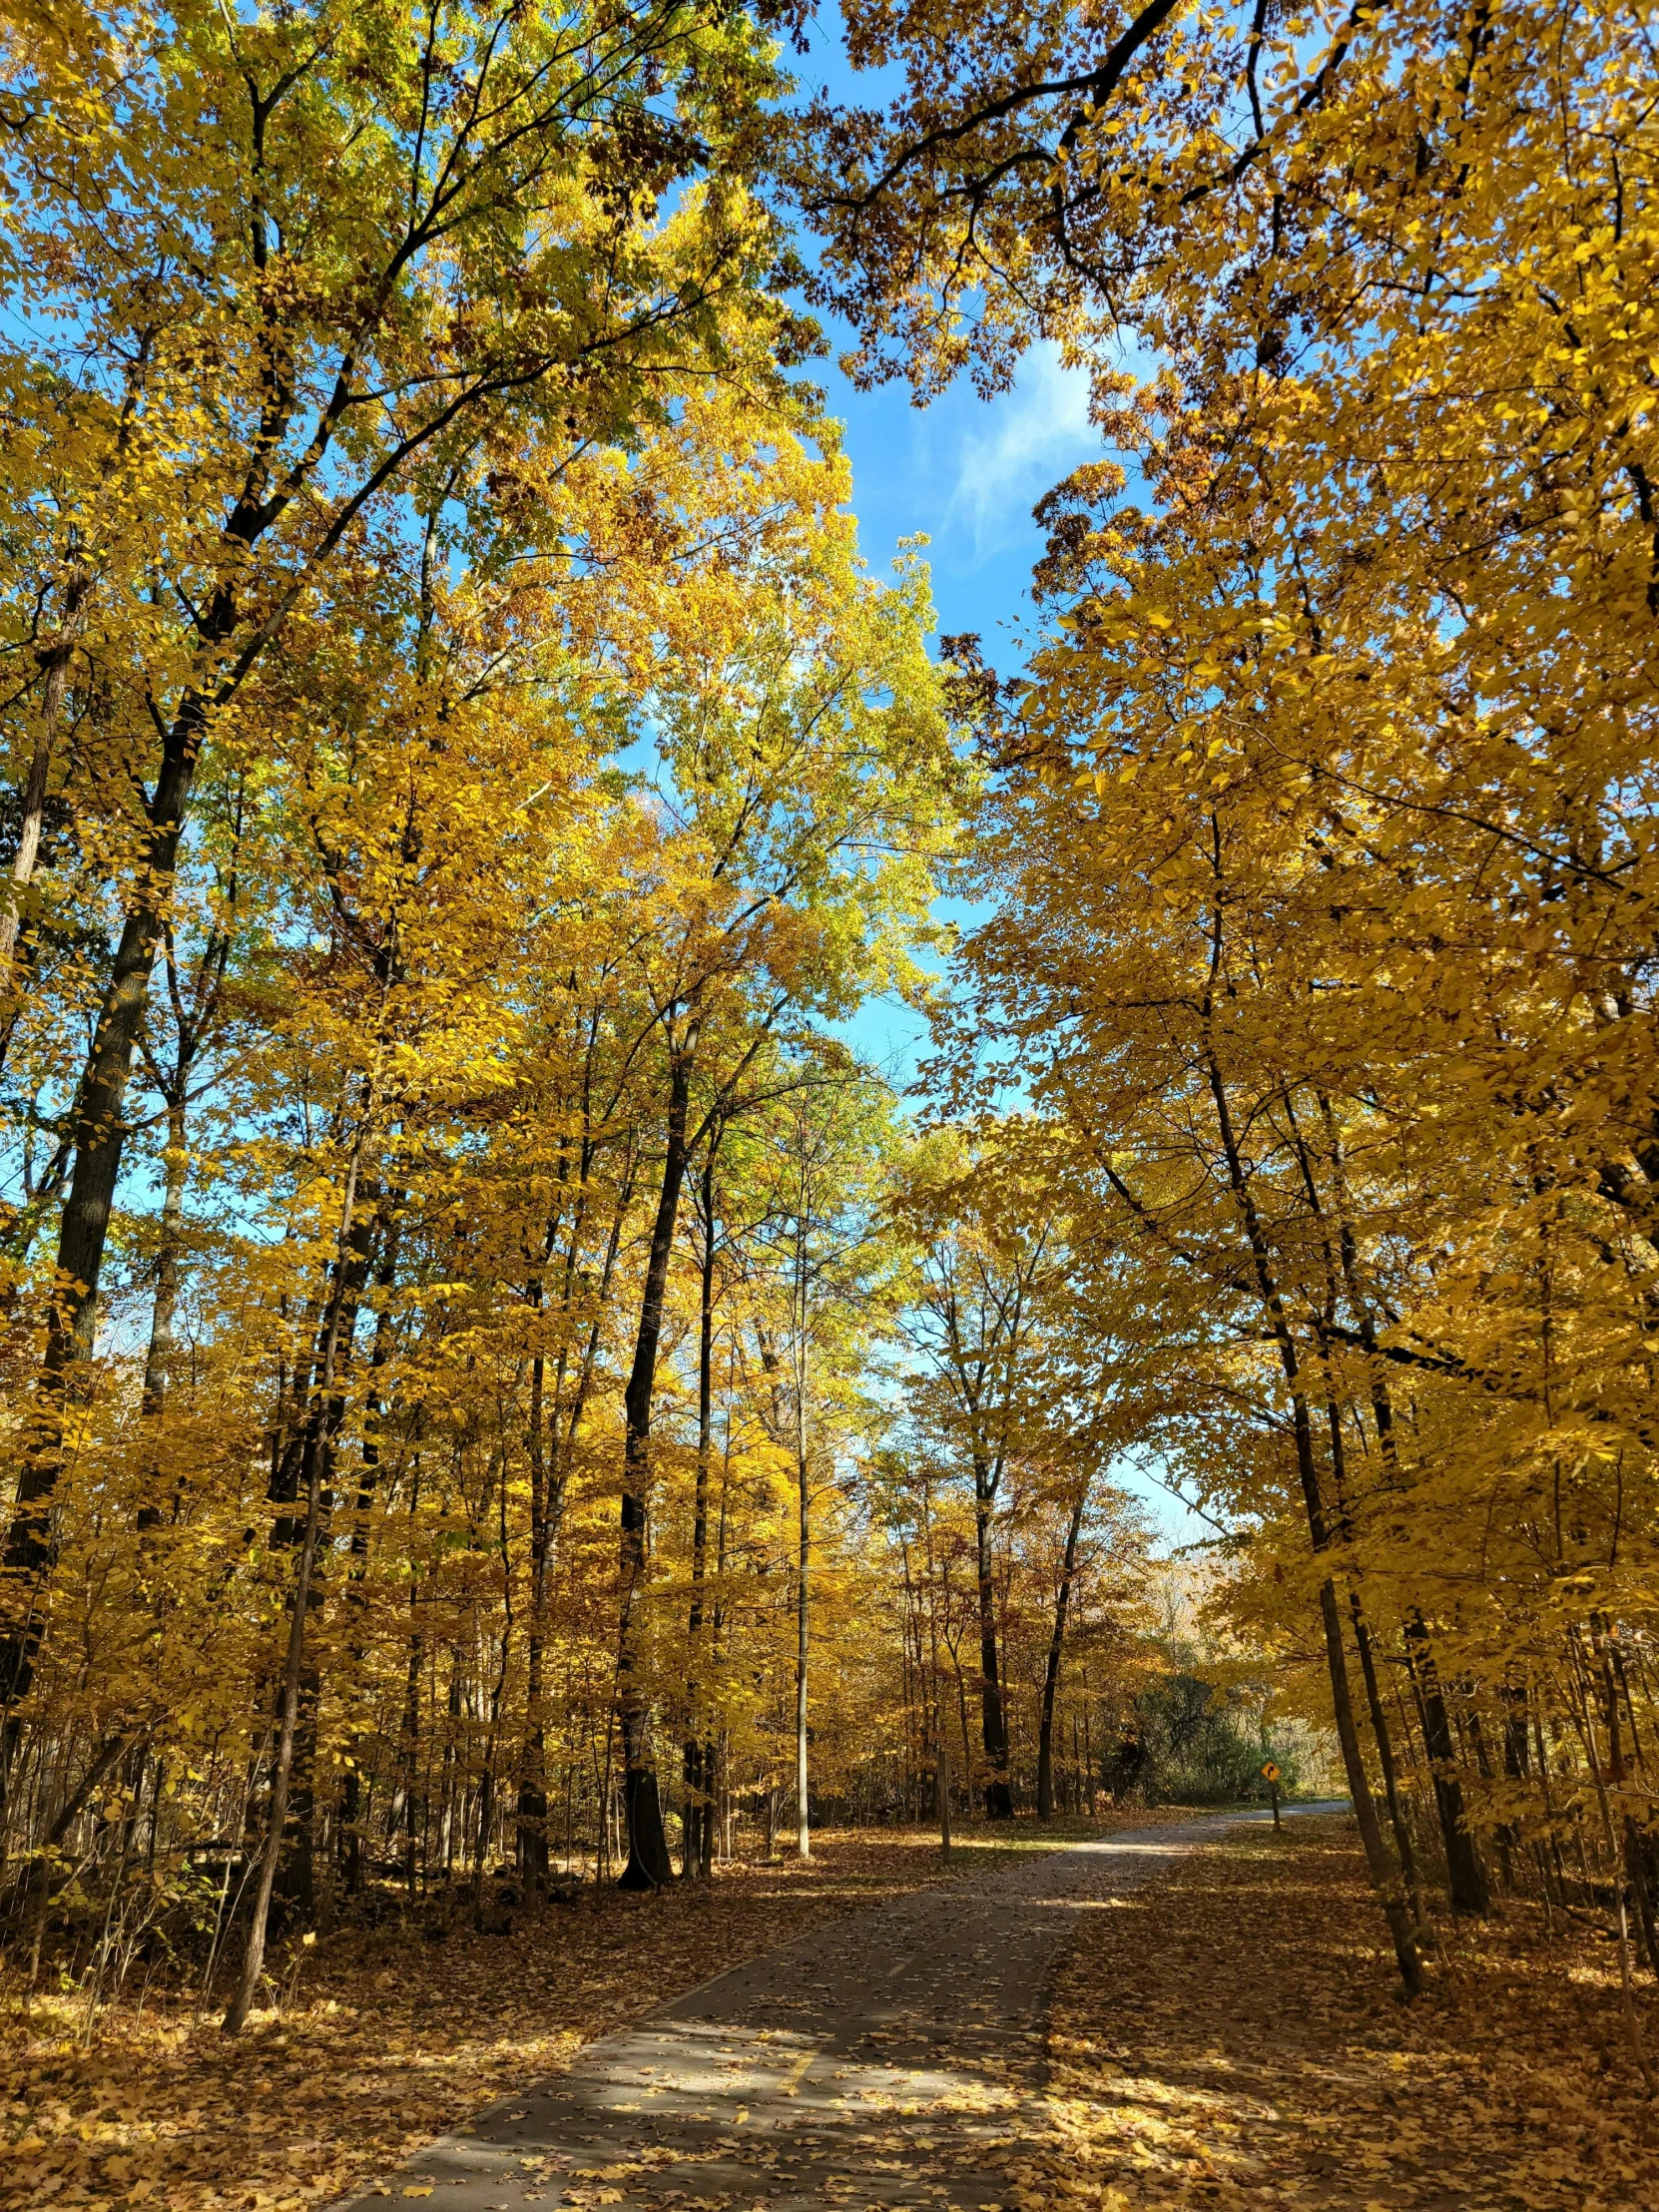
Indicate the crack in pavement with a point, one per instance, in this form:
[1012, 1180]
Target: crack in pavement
[891, 2058]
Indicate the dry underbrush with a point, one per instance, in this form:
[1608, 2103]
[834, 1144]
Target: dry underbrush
[391, 2036]
[1232, 2036]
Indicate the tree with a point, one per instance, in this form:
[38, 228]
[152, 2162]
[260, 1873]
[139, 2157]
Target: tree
[985, 1269]
[267, 277]
[805, 781]
[1326, 960]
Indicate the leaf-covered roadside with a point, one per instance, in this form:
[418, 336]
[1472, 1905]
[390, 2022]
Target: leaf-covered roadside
[394, 2036]
[1231, 2037]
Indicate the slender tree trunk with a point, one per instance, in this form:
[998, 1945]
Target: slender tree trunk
[532, 1787]
[802, 1625]
[942, 1777]
[1052, 1672]
[294, 1663]
[1385, 1757]
[1466, 1876]
[1361, 1634]
[713, 1761]
[277, 1819]
[1383, 1881]
[962, 1716]
[410, 1746]
[296, 1870]
[698, 1836]
[999, 1803]
[351, 1842]
[55, 664]
[100, 1139]
[649, 1865]
[164, 1313]
[1603, 1773]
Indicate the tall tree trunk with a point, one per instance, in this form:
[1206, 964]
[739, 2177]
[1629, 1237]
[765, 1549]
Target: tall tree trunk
[368, 1477]
[712, 1745]
[99, 1135]
[648, 1864]
[1608, 1774]
[1381, 1734]
[696, 1853]
[941, 1763]
[999, 1802]
[532, 1787]
[297, 1868]
[1384, 1739]
[1052, 1672]
[54, 663]
[287, 1730]
[1466, 1876]
[294, 1662]
[803, 1623]
[164, 1313]
[410, 1748]
[551, 1440]
[1383, 1879]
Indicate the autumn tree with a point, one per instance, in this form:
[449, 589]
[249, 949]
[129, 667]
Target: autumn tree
[263, 277]
[1352, 639]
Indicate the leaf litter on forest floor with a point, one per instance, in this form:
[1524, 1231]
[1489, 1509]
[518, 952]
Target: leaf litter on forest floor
[1234, 2037]
[394, 2037]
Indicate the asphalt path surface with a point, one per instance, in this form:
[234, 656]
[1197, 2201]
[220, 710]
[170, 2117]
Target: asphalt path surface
[888, 2059]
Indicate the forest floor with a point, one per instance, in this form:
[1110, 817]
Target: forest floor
[389, 2036]
[1233, 2037]
[1219, 2028]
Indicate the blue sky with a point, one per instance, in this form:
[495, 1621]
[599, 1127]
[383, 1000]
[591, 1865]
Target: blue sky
[965, 472]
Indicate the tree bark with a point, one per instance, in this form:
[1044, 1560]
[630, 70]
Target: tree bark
[294, 1663]
[941, 1776]
[802, 1631]
[696, 1849]
[169, 1264]
[369, 1474]
[158, 1360]
[1052, 1672]
[1388, 1892]
[649, 1867]
[1466, 1876]
[277, 1819]
[999, 1802]
[54, 663]
[1385, 1757]
[99, 1135]
[712, 1744]
[532, 1787]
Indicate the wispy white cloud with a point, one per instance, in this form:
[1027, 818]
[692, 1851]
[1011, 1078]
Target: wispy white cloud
[1030, 438]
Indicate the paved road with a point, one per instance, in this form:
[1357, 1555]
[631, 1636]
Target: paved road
[885, 2060]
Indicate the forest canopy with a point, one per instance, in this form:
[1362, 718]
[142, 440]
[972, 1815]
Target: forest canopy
[497, 1389]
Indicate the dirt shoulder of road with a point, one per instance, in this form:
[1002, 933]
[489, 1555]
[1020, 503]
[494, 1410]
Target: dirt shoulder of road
[1233, 2037]
[391, 2036]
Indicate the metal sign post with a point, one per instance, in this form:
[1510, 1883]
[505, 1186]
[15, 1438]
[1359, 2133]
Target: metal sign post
[1269, 1774]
